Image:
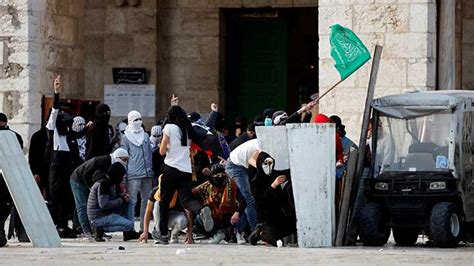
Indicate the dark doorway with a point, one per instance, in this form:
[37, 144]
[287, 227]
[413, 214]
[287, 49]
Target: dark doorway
[271, 59]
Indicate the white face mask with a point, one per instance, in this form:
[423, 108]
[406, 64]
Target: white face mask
[137, 124]
[267, 166]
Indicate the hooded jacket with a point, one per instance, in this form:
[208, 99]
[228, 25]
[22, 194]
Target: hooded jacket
[98, 141]
[140, 162]
[271, 203]
[83, 174]
[103, 199]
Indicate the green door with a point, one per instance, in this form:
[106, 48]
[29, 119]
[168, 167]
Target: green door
[262, 71]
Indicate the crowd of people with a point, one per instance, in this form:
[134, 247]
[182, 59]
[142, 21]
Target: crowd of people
[191, 175]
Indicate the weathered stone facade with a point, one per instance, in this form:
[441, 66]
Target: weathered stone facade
[407, 31]
[182, 45]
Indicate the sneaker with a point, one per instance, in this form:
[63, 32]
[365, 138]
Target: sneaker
[174, 236]
[240, 239]
[217, 238]
[206, 217]
[106, 236]
[88, 236]
[130, 235]
[255, 235]
[155, 235]
[98, 234]
[164, 240]
[66, 233]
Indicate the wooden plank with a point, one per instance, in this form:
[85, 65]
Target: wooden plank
[344, 213]
[25, 193]
[350, 238]
[312, 159]
[274, 141]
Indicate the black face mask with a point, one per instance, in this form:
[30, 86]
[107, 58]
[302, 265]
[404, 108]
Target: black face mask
[217, 181]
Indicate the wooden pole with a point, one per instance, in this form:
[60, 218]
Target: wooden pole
[326, 92]
[352, 184]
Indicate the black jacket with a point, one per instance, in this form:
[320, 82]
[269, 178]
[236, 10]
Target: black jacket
[36, 156]
[238, 141]
[84, 172]
[272, 203]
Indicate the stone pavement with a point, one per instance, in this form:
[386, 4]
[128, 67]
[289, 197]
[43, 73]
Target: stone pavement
[83, 252]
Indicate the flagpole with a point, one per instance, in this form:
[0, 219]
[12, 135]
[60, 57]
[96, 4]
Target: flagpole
[326, 92]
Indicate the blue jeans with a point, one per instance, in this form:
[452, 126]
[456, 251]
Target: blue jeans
[241, 177]
[113, 223]
[142, 185]
[81, 195]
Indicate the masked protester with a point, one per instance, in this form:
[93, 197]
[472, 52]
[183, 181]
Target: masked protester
[177, 173]
[139, 172]
[98, 141]
[82, 181]
[273, 194]
[6, 202]
[77, 141]
[221, 194]
[105, 207]
[61, 197]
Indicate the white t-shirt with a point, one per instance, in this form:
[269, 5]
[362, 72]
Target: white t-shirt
[241, 154]
[177, 156]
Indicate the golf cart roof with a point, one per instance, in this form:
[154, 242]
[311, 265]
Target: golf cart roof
[416, 104]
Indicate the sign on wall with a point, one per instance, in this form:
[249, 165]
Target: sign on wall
[127, 97]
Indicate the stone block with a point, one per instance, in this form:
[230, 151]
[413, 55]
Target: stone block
[80, 33]
[93, 81]
[228, 3]
[145, 47]
[423, 18]
[140, 20]
[118, 47]
[196, 4]
[257, 3]
[3, 53]
[329, 15]
[209, 49]
[77, 57]
[467, 32]
[283, 3]
[381, 18]
[95, 4]
[305, 3]
[201, 77]
[115, 20]
[392, 73]
[94, 49]
[182, 47]
[76, 7]
[468, 9]
[60, 30]
[421, 73]
[467, 68]
[57, 56]
[356, 103]
[202, 22]
[408, 45]
[94, 21]
[170, 21]
[167, 4]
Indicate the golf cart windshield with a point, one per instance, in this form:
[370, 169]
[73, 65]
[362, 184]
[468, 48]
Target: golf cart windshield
[416, 144]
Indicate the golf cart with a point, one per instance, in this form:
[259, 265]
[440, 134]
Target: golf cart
[421, 175]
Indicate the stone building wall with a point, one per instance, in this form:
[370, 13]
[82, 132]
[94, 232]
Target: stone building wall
[118, 36]
[466, 30]
[191, 48]
[407, 31]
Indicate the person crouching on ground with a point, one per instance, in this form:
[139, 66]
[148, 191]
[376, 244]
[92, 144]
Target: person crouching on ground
[221, 194]
[273, 194]
[177, 220]
[104, 204]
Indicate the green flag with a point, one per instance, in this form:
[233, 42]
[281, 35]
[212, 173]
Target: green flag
[347, 50]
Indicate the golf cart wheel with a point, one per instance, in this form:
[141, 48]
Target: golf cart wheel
[405, 236]
[373, 230]
[445, 225]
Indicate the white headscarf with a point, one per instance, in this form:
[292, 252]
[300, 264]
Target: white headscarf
[155, 136]
[117, 154]
[134, 131]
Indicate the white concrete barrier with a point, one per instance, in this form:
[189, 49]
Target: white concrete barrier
[25, 193]
[274, 141]
[313, 165]
[309, 151]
